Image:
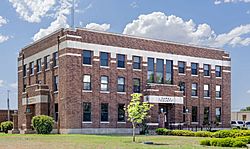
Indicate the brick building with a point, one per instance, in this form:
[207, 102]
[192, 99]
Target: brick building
[4, 115]
[83, 78]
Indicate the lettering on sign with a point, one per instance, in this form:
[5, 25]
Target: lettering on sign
[163, 99]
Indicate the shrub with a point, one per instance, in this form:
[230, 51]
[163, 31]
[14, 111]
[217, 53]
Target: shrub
[205, 142]
[244, 128]
[5, 126]
[222, 134]
[203, 134]
[182, 133]
[43, 124]
[160, 131]
[239, 143]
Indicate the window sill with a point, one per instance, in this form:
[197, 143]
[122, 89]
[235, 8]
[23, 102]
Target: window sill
[121, 68]
[104, 122]
[87, 122]
[55, 67]
[194, 123]
[218, 77]
[55, 92]
[87, 65]
[218, 98]
[106, 67]
[207, 76]
[24, 77]
[207, 97]
[39, 72]
[194, 75]
[31, 75]
[87, 91]
[46, 69]
[136, 69]
[123, 93]
[121, 122]
[104, 92]
[181, 74]
[194, 97]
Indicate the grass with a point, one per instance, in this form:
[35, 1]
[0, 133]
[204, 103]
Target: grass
[10, 141]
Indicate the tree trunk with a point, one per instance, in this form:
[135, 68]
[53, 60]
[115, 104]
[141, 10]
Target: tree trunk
[133, 132]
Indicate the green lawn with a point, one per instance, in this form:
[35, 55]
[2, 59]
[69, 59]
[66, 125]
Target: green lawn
[95, 142]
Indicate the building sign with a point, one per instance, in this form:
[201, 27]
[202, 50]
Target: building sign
[35, 100]
[163, 99]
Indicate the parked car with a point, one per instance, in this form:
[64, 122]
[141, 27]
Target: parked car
[247, 124]
[237, 124]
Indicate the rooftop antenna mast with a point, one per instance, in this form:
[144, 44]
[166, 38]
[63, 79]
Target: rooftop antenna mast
[73, 15]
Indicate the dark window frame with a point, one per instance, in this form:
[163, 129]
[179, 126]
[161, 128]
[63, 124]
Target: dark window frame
[206, 69]
[55, 59]
[121, 86]
[136, 88]
[218, 116]
[150, 72]
[160, 71]
[87, 112]
[206, 93]
[104, 112]
[104, 83]
[39, 65]
[169, 72]
[87, 57]
[104, 59]
[31, 68]
[121, 60]
[56, 83]
[46, 62]
[194, 114]
[194, 91]
[87, 84]
[218, 72]
[181, 67]
[121, 113]
[194, 68]
[136, 65]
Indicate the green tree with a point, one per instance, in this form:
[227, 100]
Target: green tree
[137, 111]
[246, 109]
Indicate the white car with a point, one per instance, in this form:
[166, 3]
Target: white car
[237, 124]
[247, 124]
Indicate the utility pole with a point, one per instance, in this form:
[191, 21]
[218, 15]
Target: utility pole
[73, 15]
[8, 104]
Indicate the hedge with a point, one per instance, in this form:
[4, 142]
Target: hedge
[43, 124]
[226, 142]
[5, 126]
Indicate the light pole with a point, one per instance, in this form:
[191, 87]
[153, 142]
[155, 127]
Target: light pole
[8, 104]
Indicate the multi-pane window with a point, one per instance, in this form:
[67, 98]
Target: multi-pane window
[194, 114]
[218, 91]
[182, 87]
[121, 113]
[181, 67]
[194, 89]
[218, 114]
[136, 62]
[206, 90]
[121, 84]
[46, 62]
[169, 72]
[159, 70]
[87, 112]
[218, 71]
[55, 59]
[206, 114]
[104, 112]
[136, 85]
[24, 70]
[104, 83]
[56, 112]
[120, 61]
[86, 82]
[194, 68]
[151, 67]
[104, 56]
[87, 55]
[56, 81]
[31, 68]
[206, 68]
[38, 65]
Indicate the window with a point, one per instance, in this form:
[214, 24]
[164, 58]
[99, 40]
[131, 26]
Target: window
[181, 67]
[104, 112]
[218, 91]
[56, 112]
[121, 61]
[194, 89]
[24, 70]
[31, 68]
[159, 70]
[121, 113]
[194, 68]
[169, 72]
[206, 90]
[86, 57]
[218, 114]
[151, 67]
[104, 59]
[46, 62]
[86, 82]
[87, 112]
[55, 59]
[136, 62]
[218, 71]
[206, 70]
[182, 87]
[56, 81]
[38, 65]
[121, 84]
[24, 87]
[194, 114]
[206, 115]
[136, 85]
[104, 83]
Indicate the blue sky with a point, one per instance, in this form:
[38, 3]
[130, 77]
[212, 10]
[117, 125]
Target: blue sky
[218, 23]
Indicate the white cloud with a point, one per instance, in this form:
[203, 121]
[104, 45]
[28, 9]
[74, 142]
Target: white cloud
[160, 26]
[248, 92]
[216, 2]
[134, 4]
[100, 27]
[2, 21]
[3, 38]
[248, 12]
[32, 10]
[1, 83]
[13, 85]
[61, 19]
